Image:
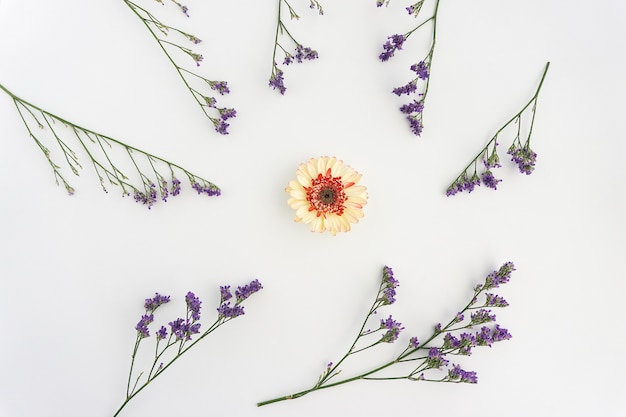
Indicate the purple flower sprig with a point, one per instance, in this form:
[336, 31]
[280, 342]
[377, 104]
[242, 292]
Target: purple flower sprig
[181, 334]
[147, 177]
[521, 153]
[201, 88]
[299, 54]
[430, 360]
[418, 85]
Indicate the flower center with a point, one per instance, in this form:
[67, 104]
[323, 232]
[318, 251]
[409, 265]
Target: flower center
[326, 194]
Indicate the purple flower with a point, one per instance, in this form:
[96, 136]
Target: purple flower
[459, 317]
[421, 69]
[175, 186]
[393, 43]
[226, 311]
[466, 343]
[165, 192]
[484, 338]
[501, 276]
[458, 374]
[482, 316]
[393, 330]
[525, 158]
[277, 81]
[414, 107]
[489, 180]
[183, 329]
[450, 342]
[305, 53]
[500, 334]
[389, 283]
[494, 300]
[220, 86]
[414, 9]
[416, 124]
[225, 294]
[152, 304]
[226, 114]
[142, 326]
[247, 290]
[288, 59]
[221, 126]
[148, 199]
[409, 88]
[435, 359]
[161, 333]
[193, 305]
[210, 190]
[413, 342]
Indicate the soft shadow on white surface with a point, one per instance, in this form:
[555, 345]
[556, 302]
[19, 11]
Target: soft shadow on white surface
[74, 271]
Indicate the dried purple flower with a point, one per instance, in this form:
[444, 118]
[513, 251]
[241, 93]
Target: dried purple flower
[459, 375]
[489, 180]
[482, 316]
[175, 186]
[416, 124]
[226, 311]
[389, 283]
[393, 330]
[409, 88]
[414, 107]
[161, 333]
[524, 157]
[494, 300]
[246, 291]
[220, 86]
[225, 293]
[277, 81]
[421, 69]
[193, 305]
[142, 326]
[394, 42]
[210, 190]
[152, 304]
[436, 359]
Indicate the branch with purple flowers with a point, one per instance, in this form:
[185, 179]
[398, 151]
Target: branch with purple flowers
[421, 81]
[283, 36]
[429, 360]
[521, 153]
[181, 334]
[154, 178]
[201, 88]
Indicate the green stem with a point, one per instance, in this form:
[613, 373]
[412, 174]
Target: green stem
[134, 7]
[366, 375]
[532, 100]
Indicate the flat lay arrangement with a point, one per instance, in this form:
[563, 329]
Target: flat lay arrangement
[333, 233]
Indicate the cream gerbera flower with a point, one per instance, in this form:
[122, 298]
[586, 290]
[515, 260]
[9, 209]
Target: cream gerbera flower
[326, 195]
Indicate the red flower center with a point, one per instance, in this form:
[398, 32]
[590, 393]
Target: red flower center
[326, 194]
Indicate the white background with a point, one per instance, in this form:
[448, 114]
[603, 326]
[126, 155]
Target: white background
[74, 271]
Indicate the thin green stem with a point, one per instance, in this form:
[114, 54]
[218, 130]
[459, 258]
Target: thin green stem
[134, 7]
[517, 116]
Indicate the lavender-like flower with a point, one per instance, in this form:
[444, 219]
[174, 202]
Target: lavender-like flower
[489, 180]
[421, 69]
[105, 154]
[277, 80]
[183, 334]
[393, 330]
[393, 43]
[432, 355]
[282, 37]
[161, 33]
[158, 300]
[521, 154]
